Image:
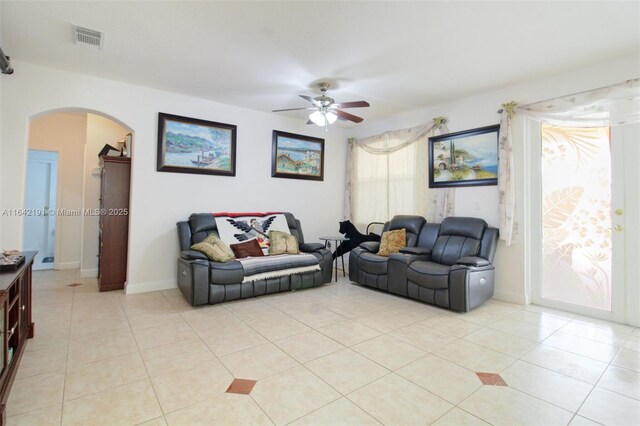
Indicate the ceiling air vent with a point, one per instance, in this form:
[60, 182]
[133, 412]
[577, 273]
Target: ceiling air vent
[88, 36]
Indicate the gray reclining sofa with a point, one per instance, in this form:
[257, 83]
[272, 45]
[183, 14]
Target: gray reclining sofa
[448, 264]
[202, 281]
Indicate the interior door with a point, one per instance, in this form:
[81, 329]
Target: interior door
[39, 207]
[580, 216]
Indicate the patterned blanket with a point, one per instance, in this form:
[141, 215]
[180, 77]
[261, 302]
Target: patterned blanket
[257, 268]
[234, 228]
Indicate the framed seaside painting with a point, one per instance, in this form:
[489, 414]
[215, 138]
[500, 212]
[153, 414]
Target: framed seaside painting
[468, 158]
[297, 156]
[190, 145]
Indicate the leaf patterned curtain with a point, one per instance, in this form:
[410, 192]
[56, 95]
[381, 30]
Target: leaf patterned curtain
[506, 182]
[441, 202]
[605, 107]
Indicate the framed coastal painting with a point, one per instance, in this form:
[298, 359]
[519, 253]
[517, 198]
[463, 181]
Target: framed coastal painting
[297, 156]
[191, 145]
[468, 158]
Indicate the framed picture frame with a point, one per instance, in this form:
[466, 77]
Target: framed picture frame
[297, 156]
[191, 145]
[468, 158]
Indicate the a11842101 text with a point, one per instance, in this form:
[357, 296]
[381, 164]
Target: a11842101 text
[66, 212]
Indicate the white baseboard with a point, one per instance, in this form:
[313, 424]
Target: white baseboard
[150, 286]
[89, 273]
[67, 265]
[508, 296]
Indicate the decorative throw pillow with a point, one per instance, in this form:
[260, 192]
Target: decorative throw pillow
[282, 243]
[392, 242]
[215, 249]
[247, 249]
[214, 239]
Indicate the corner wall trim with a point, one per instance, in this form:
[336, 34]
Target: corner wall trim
[150, 286]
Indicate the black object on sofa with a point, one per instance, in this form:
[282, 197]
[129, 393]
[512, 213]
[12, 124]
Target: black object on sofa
[355, 238]
[448, 264]
[203, 281]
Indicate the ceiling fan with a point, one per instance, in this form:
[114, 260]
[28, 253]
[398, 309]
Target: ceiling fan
[326, 110]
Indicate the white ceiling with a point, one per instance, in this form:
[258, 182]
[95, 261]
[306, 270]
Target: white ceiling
[261, 55]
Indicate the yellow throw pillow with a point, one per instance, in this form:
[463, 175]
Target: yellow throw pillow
[215, 249]
[392, 242]
[282, 243]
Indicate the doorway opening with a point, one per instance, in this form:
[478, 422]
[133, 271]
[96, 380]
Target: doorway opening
[40, 203]
[577, 249]
[65, 229]
[582, 200]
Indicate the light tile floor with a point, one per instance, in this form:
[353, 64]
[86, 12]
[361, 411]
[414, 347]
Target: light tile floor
[339, 354]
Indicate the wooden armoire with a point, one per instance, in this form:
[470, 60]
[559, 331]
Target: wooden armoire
[114, 222]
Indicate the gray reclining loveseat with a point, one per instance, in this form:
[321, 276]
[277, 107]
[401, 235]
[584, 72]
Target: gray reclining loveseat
[448, 264]
[202, 281]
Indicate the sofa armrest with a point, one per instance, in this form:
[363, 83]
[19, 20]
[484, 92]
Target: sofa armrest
[470, 286]
[193, 280]
[193, 255]
[419, 251]
[473, 261]
[324, 258]
[310, 247]
[370, 246]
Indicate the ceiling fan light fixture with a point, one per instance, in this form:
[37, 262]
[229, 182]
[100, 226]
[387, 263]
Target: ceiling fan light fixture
[318, 118]
[325, 109]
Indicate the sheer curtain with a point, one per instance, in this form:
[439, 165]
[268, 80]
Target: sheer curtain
[388, 175]
[608, 106]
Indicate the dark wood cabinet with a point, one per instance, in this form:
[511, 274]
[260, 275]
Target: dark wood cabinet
[16, 325]
[114, 222]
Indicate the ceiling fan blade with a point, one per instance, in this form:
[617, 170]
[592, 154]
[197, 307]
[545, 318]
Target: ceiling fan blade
[291, 109]
[346, 116]
[310, 99]
[354, 104]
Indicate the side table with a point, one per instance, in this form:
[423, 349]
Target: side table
[337, 239]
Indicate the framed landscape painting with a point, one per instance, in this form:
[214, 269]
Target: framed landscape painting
[297, 156]
[468, 158]
[190, 145]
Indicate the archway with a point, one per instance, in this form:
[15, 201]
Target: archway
[77, 135]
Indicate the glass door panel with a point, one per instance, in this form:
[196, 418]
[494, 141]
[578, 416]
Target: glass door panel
[576, 216]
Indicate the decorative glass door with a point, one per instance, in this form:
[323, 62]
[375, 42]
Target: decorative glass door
[577, 215]
[579, 220]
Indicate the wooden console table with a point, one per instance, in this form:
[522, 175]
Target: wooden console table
[16, 325]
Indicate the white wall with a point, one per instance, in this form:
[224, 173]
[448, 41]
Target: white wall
[159, 200]
[480, 111]
[100, 131]
[65, 134]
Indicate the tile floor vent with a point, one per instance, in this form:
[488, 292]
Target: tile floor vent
[88, 36]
